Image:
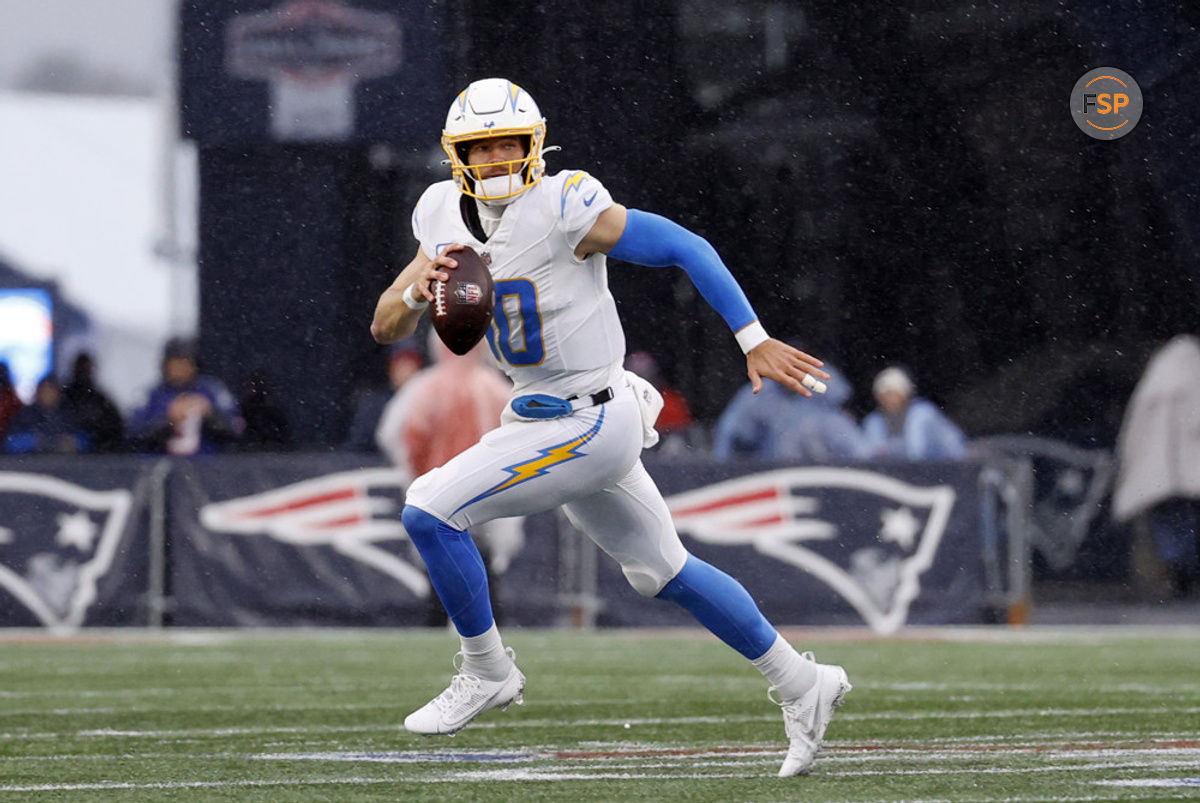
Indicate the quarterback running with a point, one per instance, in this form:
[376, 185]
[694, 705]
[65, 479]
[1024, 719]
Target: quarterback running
[573, 432]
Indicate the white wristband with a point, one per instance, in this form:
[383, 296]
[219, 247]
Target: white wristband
[411, 300]
[751, 335]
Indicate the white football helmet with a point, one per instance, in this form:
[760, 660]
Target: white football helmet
[495, 107]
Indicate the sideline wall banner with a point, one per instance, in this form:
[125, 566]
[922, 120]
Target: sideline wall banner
[279, 540]
[291, 540]
[74, 546]
[883, 545]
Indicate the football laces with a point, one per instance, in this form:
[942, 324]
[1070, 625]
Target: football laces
[439, 298]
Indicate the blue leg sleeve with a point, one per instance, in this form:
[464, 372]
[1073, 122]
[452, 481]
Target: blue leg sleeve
[455, 569]
[721, 604]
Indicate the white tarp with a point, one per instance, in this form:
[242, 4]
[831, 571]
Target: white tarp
[1158, 451]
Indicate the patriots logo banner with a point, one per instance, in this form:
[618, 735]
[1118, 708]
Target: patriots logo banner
[867, 536]
[63, 548]
[273, 540]
[264, 542]
[815, 545]
[336, 510]
[284, 542]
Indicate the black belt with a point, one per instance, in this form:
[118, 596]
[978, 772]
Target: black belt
[600, 397]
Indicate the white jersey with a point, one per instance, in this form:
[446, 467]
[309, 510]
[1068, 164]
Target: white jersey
[556, 328]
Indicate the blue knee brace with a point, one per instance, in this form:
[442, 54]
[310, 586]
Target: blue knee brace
[721, 604]
[455, 569]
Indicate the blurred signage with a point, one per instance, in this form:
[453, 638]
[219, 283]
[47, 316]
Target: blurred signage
[313, 53]
[26, 336]
[312, 71]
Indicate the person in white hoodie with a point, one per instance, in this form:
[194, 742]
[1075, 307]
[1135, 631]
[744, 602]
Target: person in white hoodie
[1158, 458]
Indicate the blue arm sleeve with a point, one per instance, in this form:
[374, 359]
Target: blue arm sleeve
[656, 242]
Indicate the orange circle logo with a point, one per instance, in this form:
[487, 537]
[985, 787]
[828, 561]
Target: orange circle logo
[1106, 103]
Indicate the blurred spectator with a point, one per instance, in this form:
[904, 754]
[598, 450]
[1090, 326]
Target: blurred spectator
[44, 427]
[93, 411]
[441, 412]
[404, 361]
[267, 428]
[907, 427]
[675, 420]
[10, 402]
[188, 412]
[780, 424]
[1158, 459]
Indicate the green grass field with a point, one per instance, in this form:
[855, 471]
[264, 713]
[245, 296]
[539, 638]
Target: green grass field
[956, 714]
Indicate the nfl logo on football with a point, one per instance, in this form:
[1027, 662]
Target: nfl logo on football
[468, 293]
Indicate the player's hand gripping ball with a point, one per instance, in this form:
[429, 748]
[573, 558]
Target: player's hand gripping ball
[462, 306]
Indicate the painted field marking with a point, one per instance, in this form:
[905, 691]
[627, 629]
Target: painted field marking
[963, 747]
[107, 785]
[656, 763]
[401, 756]
[1060, 713]
[1143, 782]
[201, 709]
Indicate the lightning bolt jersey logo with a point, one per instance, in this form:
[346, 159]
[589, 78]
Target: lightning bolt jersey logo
[539, 466]
[573, 183]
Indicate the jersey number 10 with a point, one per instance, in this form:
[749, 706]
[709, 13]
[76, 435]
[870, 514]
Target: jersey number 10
[518, 323]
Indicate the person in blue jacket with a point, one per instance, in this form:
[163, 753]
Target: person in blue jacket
[780, 424]
[188, 412]
[906, 426]
[45, 427]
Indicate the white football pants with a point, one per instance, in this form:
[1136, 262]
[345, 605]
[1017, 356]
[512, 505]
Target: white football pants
[588, 462]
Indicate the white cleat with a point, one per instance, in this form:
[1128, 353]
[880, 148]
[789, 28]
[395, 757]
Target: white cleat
[806, 718]
[467, 697]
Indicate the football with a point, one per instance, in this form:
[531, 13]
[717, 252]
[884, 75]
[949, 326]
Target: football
[462, 307]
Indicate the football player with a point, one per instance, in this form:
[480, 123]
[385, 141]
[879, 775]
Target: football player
[573, 432]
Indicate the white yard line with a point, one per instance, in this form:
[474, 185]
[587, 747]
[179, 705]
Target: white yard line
[620, 722]
[660, 764]
[106, 785]
[201, 709]
[843, 717]
[963, 748]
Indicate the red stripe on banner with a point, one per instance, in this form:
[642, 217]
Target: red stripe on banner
[728, 501]
[311, 501]
[345, 522]
[764, 522]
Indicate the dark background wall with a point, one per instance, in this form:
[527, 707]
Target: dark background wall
[890, 183]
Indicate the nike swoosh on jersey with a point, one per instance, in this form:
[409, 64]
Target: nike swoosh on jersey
[588, 200]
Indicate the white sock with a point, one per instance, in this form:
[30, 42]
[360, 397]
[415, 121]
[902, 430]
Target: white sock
[789, 672]
[484, 655]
